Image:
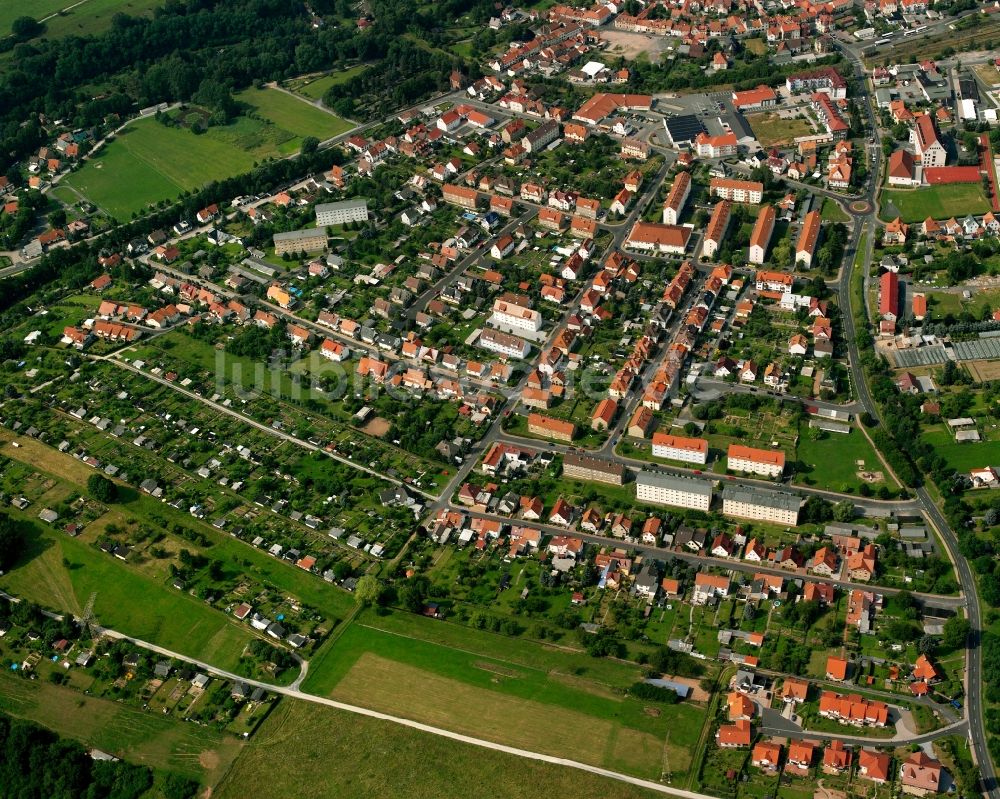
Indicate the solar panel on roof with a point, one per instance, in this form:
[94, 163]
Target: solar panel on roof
[684, 128]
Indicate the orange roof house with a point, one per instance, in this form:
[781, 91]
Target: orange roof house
[794, 690]
[766, 755]
[874, 766]
[920, 774]
[836, 757]
[836, 668]
[800, 757]
[731, 736]
[924, 670]
[740, 706]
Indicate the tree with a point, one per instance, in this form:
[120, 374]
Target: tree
[25, 28]
[843, 511]
[176, 786]
[11, 542]
[368, 590]
[309, 145]
[101, 488]
[956, 632]
[927, 644]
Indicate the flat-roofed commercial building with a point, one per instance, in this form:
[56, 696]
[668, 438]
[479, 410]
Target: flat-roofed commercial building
[763, 504]
[680, 492]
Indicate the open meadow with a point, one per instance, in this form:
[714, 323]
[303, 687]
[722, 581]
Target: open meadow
[314, 87]
[326, 752]
[772, 129]
[148, 161]
[938, 202]
[294, 115]
[87, 17]
[514, 691]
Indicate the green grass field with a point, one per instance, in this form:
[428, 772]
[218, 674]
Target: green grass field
[770, 129]
[326, 752]
[39, 9]
[198, 752]
[293, 115]
[504, 689]
[832, 212]
[315, 89]
[90, 16]
[149, 162]
[62, 572]
[834, 458]
[943, 302]
[961, 456]
[939, 202]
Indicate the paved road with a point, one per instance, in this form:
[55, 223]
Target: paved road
[868, 507]
[973, 675]
[706, 385]
[746, 567]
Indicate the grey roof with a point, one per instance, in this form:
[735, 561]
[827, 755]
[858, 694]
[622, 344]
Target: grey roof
[680, 689]
[358, 202]
[299, 235]
[583, 461]
[670, 482]
[761, 496]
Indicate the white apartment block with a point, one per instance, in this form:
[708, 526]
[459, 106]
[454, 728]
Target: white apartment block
[503, 344]
[680, 448]
[680, 492]
[341, 213]
[509, 315]
[765, 462]
[760, 504]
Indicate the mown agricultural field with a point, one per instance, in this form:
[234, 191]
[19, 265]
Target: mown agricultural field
[325, 752]
[509, 690]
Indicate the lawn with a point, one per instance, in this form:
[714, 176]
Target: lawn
[832, 212]
[474, 687]
[326, 752]
[39, 9]
[833, 458]
[201, 753]
[771, 129]
[960, 456]
[939, 202]
[944, 302]
[315, 88]
[293, 115]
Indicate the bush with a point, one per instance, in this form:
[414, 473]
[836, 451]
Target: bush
[654, 693]
[102, 489]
